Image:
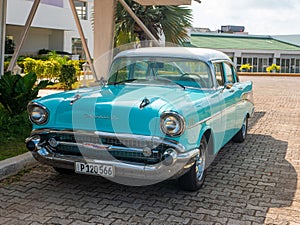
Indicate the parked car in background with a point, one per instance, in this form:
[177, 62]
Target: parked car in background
[164, 114]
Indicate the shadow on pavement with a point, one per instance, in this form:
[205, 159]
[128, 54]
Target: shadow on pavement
[243, 182]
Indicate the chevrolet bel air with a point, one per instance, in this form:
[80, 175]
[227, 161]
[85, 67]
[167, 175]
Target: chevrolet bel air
[164, 113]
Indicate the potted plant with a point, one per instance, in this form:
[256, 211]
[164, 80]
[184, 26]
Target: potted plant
[273, 68]
[245, 67]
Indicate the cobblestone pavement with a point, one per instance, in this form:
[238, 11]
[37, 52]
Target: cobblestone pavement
[256, 182]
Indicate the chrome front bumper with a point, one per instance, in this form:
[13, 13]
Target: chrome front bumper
[158, 171]
[181, 160]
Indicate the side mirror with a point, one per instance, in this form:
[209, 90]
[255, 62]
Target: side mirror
[228, 85]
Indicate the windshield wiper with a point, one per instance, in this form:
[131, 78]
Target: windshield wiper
[171, 81]
[124, 81]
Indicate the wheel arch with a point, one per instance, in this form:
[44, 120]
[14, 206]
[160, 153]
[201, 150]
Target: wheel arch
[209, 136]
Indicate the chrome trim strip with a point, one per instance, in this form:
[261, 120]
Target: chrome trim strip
[100, 147]
[218, 113]
[154, 139]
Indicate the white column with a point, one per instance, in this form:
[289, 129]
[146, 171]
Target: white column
[3, 5]
[104, 22]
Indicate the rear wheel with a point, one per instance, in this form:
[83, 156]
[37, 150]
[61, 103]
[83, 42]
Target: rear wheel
[194, 178]
[241, 135]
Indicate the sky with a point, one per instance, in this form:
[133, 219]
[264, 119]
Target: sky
[263, 17]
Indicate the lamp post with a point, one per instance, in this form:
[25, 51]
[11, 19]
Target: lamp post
[3, 4]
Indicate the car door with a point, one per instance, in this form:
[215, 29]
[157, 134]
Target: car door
[231, 95]
[226, 81]
[220, 128]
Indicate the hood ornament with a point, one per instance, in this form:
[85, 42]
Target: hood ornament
[144, 103]
[76, 98]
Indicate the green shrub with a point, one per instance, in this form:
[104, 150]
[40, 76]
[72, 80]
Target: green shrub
[14, 130]
[51, 69]
[39, 69]
[29, 65]
[18, 124]
[76, 65]
[67, 76]
[16, 91]
[6, 64]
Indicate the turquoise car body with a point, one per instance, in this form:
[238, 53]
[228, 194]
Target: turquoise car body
[118, 109]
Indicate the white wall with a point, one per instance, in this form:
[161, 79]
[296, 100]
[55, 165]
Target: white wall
[58, 26]
[38, 38]
[47, 16]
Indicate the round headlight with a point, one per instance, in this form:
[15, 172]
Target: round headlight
[38, 114]
[172, 124]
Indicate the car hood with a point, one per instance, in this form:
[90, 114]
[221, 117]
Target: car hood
[127, 109]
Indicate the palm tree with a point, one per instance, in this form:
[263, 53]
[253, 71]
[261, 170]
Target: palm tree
[173, 21]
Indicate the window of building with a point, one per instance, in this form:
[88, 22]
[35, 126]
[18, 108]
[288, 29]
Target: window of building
[77, 48]
[9, 45]
[297, 66]
[81, 8]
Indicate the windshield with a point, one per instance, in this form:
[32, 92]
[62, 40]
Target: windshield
[150, 70]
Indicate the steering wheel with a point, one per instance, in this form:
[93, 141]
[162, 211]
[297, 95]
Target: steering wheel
[190, 74]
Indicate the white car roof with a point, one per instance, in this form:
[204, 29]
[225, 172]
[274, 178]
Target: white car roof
[176, 52]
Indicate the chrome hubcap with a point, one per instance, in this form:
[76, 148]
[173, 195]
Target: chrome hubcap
[200, 162]
[244, 128]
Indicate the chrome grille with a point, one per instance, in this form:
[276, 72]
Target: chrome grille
[125, 145]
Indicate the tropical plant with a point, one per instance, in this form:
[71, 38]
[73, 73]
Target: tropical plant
[173, 21]
[273, 67]
[245, 67]
[16, 91]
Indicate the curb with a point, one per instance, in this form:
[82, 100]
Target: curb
[14, 165]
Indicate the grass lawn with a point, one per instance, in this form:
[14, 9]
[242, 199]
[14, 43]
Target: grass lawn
[13, 131]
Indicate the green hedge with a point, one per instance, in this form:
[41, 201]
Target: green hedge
[49, 69]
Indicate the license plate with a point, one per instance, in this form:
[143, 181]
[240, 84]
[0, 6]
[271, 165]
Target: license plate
[95, 169]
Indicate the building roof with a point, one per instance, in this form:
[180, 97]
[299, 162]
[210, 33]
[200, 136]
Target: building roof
[243, 42]
[292, 39]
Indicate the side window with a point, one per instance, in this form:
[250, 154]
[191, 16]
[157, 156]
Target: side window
[219, 74]
[236, 75]
[229, 73]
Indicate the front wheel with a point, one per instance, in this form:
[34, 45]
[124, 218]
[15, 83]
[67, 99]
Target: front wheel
[241, 135]
[194, 178]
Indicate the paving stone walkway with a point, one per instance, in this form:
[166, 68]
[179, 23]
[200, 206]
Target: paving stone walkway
[256, 182]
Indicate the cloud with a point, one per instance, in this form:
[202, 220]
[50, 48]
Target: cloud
[258, 16]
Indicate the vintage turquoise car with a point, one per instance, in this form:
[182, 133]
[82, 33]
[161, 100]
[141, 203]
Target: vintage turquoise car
[163, 113]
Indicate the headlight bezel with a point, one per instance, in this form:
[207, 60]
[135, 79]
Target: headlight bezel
[172, 116]
[44, 119]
